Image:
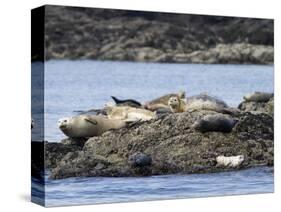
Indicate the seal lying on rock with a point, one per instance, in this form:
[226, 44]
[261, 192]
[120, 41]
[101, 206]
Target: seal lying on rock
[129, 113]
[126, 102]
[85, 126]
[258, 97]
[259, 107]
[162, 102]
[233, 161]
[139, 160]
[206, 102]
[215, 123]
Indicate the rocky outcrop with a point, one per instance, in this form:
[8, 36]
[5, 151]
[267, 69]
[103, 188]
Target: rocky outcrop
[262, 107]
[54, 152]
[229, 53]
[168, 145]
[45, 155]
[85, 33]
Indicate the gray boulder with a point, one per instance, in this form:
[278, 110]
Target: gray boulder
[257, 106]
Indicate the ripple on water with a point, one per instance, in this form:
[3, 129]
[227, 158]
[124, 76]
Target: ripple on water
[82, 85]
[94, 190]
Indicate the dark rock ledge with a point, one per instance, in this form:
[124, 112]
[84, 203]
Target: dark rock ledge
[87, 33]
[166, 145]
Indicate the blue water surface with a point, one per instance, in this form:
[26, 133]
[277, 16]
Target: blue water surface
[96, 190]
[83, 85]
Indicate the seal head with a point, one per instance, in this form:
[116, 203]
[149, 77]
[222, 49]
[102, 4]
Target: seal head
[64, 123]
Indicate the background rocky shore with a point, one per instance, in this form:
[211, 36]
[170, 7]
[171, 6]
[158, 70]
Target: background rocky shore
[85, 33]
[166, 145]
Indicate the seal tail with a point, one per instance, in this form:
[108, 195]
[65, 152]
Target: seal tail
[115, 99]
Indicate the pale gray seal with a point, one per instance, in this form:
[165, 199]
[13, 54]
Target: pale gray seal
[85, 126]
[258, 97]
[215, 123]
[206, 102]
[129, 113]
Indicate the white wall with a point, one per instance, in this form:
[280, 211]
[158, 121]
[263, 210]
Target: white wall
[15, 102]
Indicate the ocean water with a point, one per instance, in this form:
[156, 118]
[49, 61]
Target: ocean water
[96, 190]
[82, 85]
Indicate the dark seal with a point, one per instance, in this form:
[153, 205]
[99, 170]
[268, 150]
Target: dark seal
[258, 97]
[139, 160]
[215, 123]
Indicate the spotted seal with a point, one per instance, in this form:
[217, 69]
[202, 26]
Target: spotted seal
[207, 102]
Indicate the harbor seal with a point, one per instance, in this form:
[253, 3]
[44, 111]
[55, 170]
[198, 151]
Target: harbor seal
[85, 126]
[206, 102]
[129, 113]
[139, 160]
[232, 161]
[258, 97]
[177, 105]
[126, 102]
[162, 102]
[215, 123]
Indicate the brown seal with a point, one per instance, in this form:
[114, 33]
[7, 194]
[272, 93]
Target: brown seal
[163, 101]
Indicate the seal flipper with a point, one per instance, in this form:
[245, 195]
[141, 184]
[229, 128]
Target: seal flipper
[117, 101]
[91, 112]
[132, 123]
[126, 102]
[92, 121]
